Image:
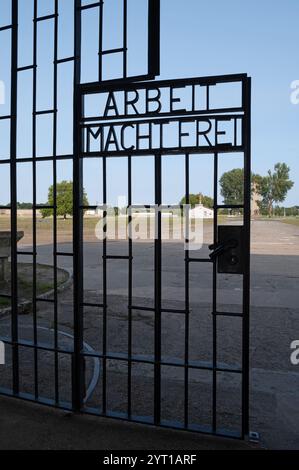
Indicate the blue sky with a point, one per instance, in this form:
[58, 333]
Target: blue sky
[198, 38]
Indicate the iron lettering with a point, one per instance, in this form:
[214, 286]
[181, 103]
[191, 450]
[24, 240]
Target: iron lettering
[161, 117]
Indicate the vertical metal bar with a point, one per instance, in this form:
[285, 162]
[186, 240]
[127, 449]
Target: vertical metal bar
[154, 37]
[101, 24]
[187, 296]
[104, 374]
[130, 286]
[125, 39]
[246, 276]
[158, 288]
[34, 237]
[78, 374]
[13, 195]
[214, 301]
[55, 202]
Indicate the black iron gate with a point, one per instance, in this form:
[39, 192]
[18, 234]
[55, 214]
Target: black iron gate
[138, 128]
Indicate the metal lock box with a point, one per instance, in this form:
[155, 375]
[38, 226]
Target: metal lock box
[229, 250]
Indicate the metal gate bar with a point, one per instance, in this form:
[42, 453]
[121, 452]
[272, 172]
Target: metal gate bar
[13, 195]
[77, 352]
[158, 309]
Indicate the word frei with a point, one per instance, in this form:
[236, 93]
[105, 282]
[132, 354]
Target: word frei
[164, 117]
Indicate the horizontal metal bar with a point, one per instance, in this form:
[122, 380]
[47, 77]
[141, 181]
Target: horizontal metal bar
[113, 51]
[91, 5]
[123, 81]
[26, 67]
[117, 257]
[209, 113]
[33, 207]
[65, 59]
[141, 308]
[37, 346]
[39, 400]
[89, 207]
[89, 304]
[5, 28]
[121, 416]
[95, 87]
[45, 111]
[207, 430]
[46, 17]
[8, 116]
[57, 253]
[64, 253]
[199, 260]
[155, 119]
[166, 151]
[228, 314]
[38, 159]
[163, 310]
[175, 310]
[199, 365]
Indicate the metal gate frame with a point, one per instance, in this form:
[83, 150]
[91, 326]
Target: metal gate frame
[77, 354]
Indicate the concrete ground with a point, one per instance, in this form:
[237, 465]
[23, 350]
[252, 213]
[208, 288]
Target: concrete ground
[274, 325]
[52, 429]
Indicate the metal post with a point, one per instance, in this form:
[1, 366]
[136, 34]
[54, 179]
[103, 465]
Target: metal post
[158, 287]
[214, 300]
[78, 371]
[246, 277]
[13, 191]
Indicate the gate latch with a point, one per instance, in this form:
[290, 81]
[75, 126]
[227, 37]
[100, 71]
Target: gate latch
[229, 249]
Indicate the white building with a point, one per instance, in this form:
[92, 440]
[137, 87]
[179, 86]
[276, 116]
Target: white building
[201, 212]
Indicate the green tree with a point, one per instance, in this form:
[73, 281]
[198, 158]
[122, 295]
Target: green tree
[24, 205]
[274, 187]
[64, 200]
[194, 199]
[232, 186]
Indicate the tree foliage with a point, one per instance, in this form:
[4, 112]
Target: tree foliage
[232, 186]
[274, 187]
[64, 200]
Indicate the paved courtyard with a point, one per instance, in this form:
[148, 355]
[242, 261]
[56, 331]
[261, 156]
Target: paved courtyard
[274, 325]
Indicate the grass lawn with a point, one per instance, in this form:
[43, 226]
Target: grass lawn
[45, 282]
[290, 220]
[44, 227]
